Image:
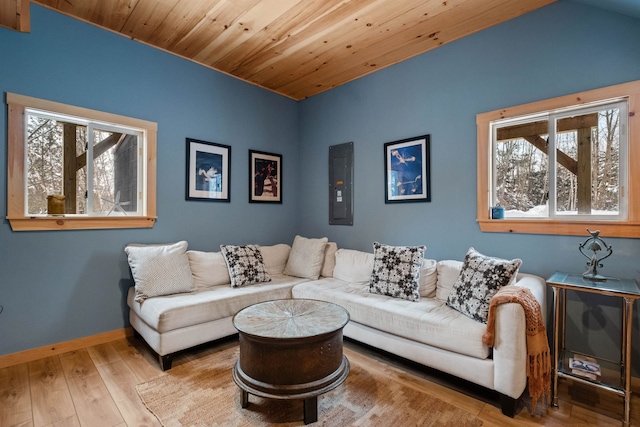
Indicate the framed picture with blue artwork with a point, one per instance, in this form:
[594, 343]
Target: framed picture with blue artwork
[407, 170]
[208, 171]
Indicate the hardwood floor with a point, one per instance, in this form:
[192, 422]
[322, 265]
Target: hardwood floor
[95, 387]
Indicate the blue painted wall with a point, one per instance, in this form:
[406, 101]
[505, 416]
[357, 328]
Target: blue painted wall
[56, 286]
[560, 49]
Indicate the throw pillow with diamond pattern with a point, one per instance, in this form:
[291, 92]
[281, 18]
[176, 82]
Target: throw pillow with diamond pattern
[396, 271]
[480, 279]
[245, 264]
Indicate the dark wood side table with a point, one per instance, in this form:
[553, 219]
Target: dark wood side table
[625, 289]
[291, 349]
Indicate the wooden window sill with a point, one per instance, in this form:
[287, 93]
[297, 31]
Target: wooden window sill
[32, 223]
[560, 227]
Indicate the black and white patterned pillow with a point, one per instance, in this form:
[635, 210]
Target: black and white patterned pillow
[480, 279]
[396, 271]
[245, 265]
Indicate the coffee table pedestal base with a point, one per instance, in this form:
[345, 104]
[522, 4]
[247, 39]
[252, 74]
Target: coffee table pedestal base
[309, 395]
[310, 406]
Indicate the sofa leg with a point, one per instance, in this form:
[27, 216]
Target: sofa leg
[165, 361]
[508, 405]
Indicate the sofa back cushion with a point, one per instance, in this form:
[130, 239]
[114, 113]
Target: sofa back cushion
[356, 267]
[275, 257]
[329, 259]
[353, 266]
[428, 278]
[448, 272]
[306, 257]
[208, 269]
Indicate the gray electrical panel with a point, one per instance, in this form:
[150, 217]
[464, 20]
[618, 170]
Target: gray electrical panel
[341, 184]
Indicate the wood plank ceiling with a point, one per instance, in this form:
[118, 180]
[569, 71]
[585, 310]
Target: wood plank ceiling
[297, 48]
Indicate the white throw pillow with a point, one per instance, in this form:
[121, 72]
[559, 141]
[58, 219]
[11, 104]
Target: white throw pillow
[329, 259]
[306, 257]
[275, 257]
[160, 269]
[448, 272]
[428, 278]
[396, 271]
[353, 266]
[480, 279]
[245, 265]
[208, 269]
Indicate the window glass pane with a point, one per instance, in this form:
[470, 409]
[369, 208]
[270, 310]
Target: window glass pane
[115, 172]
[55, 164]
[521, 169]
[587, 163]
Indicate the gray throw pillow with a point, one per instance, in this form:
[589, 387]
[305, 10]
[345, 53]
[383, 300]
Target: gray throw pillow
[480, 279]
[396, 271]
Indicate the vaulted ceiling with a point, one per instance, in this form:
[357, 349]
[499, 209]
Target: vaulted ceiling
[297, 48]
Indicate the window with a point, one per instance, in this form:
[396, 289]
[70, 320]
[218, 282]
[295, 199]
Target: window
[99, 167]
[562, 165]
[584, 146]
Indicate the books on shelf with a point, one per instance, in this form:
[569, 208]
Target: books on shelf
[586, 367]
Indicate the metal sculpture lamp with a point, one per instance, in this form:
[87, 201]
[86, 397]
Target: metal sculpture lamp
[594, 244]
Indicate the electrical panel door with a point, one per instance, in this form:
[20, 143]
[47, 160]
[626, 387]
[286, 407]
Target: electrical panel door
[341, 184]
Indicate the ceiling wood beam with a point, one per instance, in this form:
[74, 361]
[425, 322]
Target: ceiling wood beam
[15, 14]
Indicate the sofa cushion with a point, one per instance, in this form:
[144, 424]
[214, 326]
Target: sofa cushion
[159, 269]
[353, 266]
[396, 270]
[448, 272]
[306, 257]
[208, 269]
[329, 262]
[167, 313]
[428, 278]
[275, 257]
[356, 267]
[245, 265]
[481, 277]
[429, 321]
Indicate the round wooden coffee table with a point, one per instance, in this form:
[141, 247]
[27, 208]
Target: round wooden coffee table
[291, 349]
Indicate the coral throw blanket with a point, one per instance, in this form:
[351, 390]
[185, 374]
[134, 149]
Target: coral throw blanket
[539, 357]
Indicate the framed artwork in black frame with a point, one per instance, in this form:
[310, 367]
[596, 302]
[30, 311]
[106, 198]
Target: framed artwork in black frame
[407, 175]
[208, 171]
[265, 177]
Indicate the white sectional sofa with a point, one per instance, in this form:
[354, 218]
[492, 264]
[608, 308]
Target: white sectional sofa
[427, 331]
